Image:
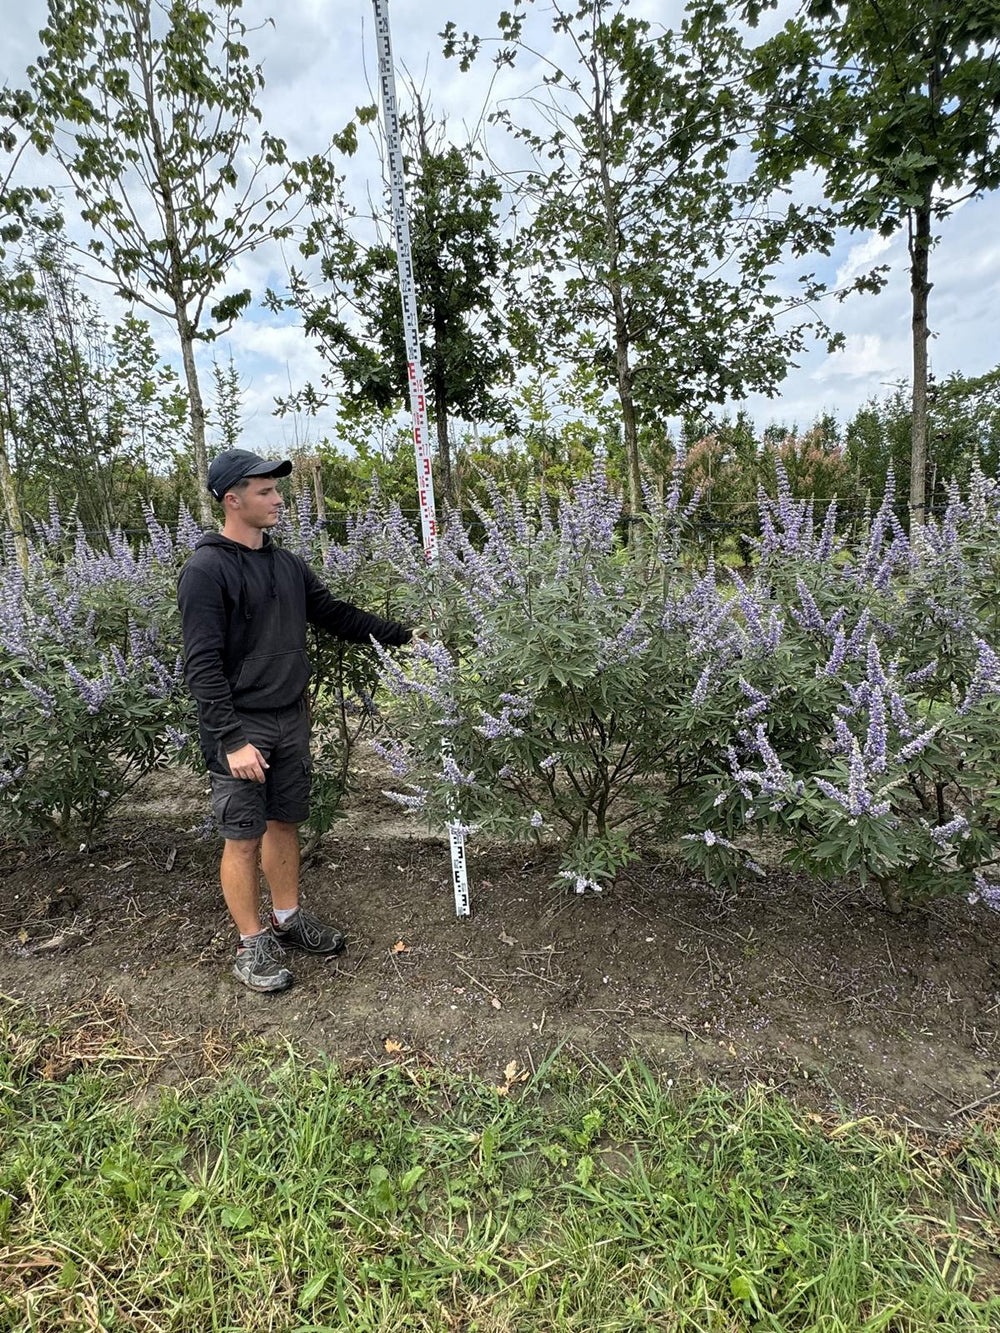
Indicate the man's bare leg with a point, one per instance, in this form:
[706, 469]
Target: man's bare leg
[279, 859]
[240, 885]
[296, 928]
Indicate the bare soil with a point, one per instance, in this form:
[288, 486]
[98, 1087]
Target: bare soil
[817, 992]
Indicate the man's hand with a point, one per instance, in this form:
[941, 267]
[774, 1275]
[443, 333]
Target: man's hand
[248, 762]
[418, 634]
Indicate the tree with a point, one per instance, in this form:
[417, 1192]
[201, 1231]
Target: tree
[228, 404]
[88, 414]
[649, 257]
[898, 105]
[21, 206]
[151, 110]
[458, 258]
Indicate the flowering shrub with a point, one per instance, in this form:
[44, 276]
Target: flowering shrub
[841, 706]
[379, 567]
[844, 703]
[92, 677]
[561, 686]
[872, 719]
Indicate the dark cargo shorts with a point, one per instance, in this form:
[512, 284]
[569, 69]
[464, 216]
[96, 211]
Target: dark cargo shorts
[242, 807]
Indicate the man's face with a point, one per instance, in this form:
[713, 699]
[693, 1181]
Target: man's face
[260, 504]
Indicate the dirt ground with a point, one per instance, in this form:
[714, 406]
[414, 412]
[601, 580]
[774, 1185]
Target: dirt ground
[820, 993]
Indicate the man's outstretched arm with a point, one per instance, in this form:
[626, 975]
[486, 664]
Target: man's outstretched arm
[348, 621]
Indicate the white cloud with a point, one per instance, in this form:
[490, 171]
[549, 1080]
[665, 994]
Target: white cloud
[862, 257]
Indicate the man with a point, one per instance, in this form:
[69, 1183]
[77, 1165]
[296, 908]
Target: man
[244, 606]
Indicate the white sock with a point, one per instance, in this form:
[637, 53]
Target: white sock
[281, 914]
[245, 939]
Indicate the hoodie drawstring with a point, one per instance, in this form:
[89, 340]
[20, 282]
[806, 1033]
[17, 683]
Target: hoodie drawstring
[244, 591]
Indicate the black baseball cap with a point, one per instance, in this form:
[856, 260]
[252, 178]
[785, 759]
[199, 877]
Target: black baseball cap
[233, 465]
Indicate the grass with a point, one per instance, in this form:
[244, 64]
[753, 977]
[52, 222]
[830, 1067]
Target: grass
[287, 1195]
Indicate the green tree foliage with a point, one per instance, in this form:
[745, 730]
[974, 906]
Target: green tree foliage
[649, 254]
[151, 109]
[963, 423]
[898, 105]
[355, 316]
[89, 414]
[228, 415]
[21, 207]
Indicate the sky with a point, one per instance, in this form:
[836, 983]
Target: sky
[320, 64]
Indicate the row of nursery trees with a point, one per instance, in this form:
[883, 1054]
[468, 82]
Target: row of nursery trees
[97, 423]
[839, 705]
[635, 244]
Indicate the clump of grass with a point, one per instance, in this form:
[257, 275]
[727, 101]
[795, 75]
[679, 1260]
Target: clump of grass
[296, 1197]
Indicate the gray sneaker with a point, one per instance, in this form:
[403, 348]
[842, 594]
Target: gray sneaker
[304, 931]
[258, 964]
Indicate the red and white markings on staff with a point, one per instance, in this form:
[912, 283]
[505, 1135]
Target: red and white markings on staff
[418, 400]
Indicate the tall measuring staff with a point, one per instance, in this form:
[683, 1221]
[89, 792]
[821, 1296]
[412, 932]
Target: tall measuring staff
[411, 329]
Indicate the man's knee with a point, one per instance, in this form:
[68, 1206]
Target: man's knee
[284, 828]
[243, 849]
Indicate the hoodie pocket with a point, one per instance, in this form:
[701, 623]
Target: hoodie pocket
[272, 680]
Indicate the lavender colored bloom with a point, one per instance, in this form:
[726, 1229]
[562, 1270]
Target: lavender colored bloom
[825, 547]
[159, 538]
[178, 739]
[858, 635]
[959, 826]
[416, 802]
[188, 529]
[837, 655]
[454, 774]
[923, 674]
[461, 830]
[918, 744]
[394, 755]
[627, 643]
[985, 678]
[900, 714]
[9, 776]
[858, 799]
[752, 693]
[843, 734]
[986, 892]
[809, 617]
[580, 882]
[710, 839]
[701, 688]
[495, 727]
[52, 530]
[536, 819]
[549, 761]
[41, 696]
[773, 632]
[94, 693]
[878, 733]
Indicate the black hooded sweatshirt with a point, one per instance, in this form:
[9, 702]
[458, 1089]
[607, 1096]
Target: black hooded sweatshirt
[243, 618]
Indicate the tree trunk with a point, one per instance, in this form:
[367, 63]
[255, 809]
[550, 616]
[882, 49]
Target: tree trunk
[196, 409]
[441, 426]
[175, 268]
[623, 371]
[324, 536]
[630, 427]
[920, 241]
[14, 516]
